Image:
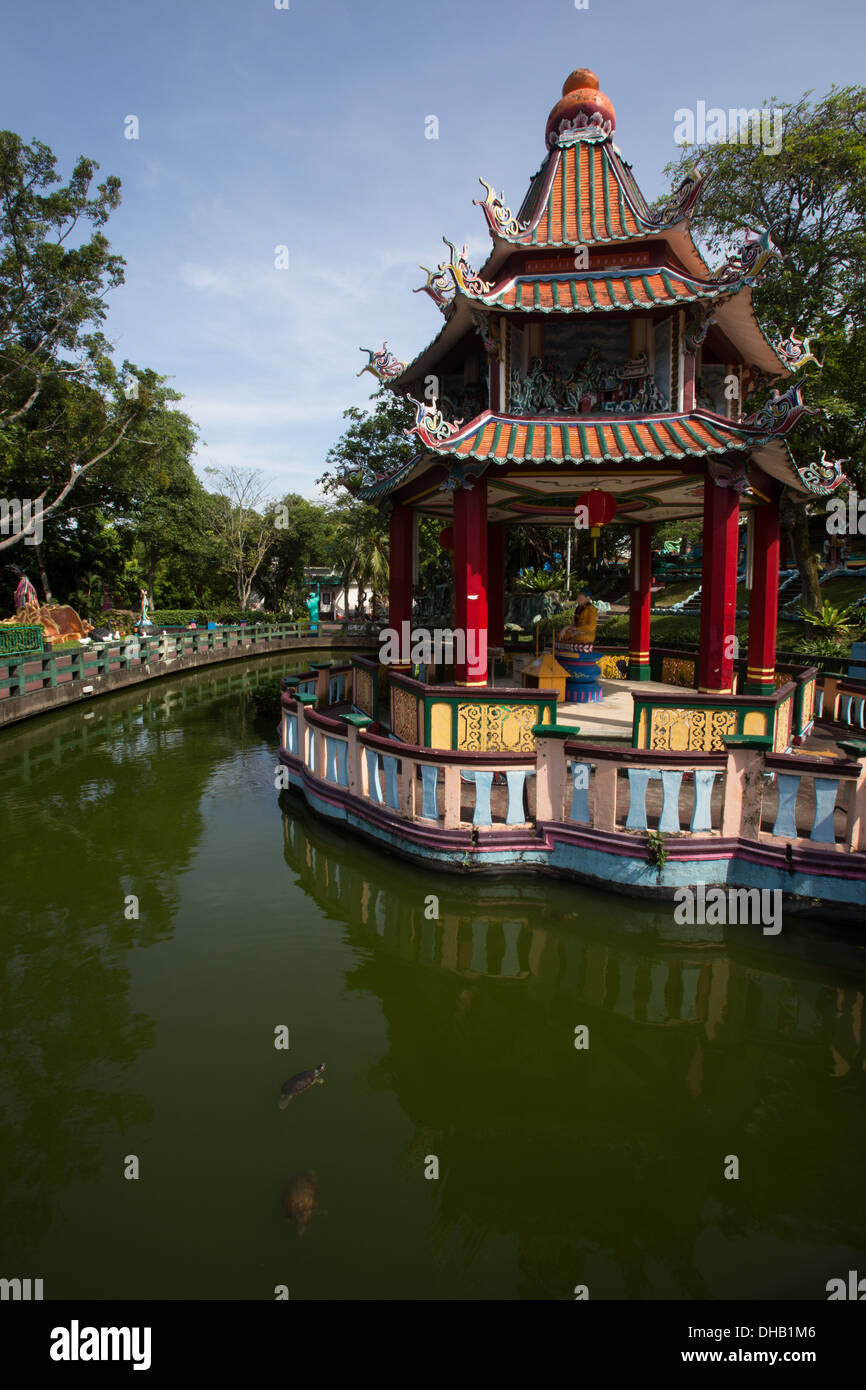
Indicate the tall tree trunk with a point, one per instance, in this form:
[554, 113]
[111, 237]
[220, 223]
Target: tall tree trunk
[796, 525]
[43, 574]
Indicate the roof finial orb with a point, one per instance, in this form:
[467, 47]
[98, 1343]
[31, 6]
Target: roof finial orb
[581, 77]
[581, 101]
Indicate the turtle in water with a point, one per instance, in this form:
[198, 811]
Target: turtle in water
[301, 1199]
[296, 1084]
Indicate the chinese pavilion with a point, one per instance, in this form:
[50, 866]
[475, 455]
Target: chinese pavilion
[596, 349]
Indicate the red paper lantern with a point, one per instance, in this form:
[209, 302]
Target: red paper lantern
[600, 508]
[446, 538]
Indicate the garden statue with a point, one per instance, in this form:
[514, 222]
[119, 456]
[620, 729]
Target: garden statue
[581, 633]
[144, 620]
[313, 610]
[58, 621]
[575, 645]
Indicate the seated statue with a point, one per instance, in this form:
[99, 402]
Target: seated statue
[581, 632]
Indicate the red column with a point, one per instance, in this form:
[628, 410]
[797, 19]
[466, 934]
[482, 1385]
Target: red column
[496, 583]
[639, 603]
[718, 589]
[764, 601]
[470, 580]
[400, 573]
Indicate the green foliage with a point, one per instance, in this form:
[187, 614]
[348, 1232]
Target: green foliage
[837, 624]
[539, 581]
[812, 195]
[657, 853]
[265, 696]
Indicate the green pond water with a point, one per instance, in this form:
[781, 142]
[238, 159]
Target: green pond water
[451, 1038]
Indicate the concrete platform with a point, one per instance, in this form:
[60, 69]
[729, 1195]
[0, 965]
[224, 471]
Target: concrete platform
[612, 716]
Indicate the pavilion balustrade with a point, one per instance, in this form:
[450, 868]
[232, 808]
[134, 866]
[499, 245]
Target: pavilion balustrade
[781, 801]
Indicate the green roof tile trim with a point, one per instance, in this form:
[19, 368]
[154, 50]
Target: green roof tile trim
[714, 432]
[554, 730]
[607, 222]
[654, 432]
[696, 437]
[623, 448]
[563, 218]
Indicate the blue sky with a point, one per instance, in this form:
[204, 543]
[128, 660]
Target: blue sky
[305, 127]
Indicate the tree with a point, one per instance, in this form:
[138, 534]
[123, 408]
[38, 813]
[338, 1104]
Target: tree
[374, 444]
[812, 196]
[64, 408]
[305, 536]
[245, 522]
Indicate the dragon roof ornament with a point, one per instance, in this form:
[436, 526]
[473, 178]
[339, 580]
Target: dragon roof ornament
[500, 219]
[453, 277]
[780, 413]
[430, 425]
[824, 476]
[383, 365]
[747, 263]
[796, 352]
[681, 202]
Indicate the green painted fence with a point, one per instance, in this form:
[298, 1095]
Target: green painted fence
[24, 673]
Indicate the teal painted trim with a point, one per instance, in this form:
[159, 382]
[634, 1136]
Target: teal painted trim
[305, 699]
[555, 292]
[574, 299]
[695, 436]
[652, 429]
[607, 222]
[590, 285]
[626, 454]
[631, 294]
[562, 731]
[591, 152]
[728, 443]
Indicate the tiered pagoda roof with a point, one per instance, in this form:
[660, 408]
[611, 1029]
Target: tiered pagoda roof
[584, 243]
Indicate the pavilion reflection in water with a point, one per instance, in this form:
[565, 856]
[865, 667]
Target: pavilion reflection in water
[655, 974]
